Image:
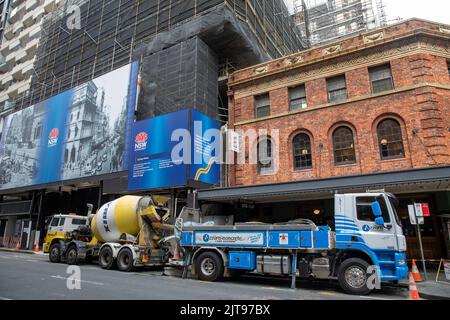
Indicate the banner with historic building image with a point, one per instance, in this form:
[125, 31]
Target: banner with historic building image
[79, 133]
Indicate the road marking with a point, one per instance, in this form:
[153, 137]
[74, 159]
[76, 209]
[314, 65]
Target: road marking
[29, 260]
[83, 281]
[325, 293]
[5, 299]
[374, 298]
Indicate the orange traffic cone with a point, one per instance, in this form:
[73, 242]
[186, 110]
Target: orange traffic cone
[176, 254]
[36, 247]
[18, 245]
[415, 272]
[413, 292]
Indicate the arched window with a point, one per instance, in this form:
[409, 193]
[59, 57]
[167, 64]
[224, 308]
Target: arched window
[344, 146]
[265, 156]
[390, 139]
[302, 151]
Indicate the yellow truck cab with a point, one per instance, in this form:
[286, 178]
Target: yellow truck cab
[58, 227]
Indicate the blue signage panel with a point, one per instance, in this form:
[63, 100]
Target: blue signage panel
[151, 165]
[174, 150]
[205, 149]
[79, 133]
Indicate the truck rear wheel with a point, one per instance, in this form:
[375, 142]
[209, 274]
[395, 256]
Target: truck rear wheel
[106, 258]
[125, 261]
[72, 256]
[55, 253]
[209, 267]
[353, 276]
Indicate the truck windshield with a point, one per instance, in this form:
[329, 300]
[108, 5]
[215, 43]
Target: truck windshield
[79, 222]
[394, 205]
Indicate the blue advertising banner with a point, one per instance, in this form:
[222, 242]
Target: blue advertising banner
[205, 149]
[166, 151]
[79, 133]
[151, 164]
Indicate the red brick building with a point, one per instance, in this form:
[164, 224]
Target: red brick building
[372, 106]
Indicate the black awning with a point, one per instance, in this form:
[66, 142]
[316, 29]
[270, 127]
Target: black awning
[379, 180]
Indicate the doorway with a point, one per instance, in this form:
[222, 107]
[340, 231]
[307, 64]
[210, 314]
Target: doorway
[2, 231]
[25, 234]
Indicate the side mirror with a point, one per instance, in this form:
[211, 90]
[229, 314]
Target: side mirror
[379, 221]
[376, 209]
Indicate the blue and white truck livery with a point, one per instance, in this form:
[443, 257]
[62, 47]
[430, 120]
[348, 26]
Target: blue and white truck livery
[367, 244]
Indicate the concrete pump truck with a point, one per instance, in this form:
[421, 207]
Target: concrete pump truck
[365, 247]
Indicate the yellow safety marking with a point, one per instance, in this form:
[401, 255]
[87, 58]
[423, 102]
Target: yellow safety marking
[327, 293]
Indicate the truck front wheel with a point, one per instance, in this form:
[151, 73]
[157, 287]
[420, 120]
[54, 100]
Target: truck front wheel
[209, 267]
[106, 258]
[125, 260]
[55, 253]
[353, 276]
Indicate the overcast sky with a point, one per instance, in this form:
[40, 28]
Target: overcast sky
[435, 10]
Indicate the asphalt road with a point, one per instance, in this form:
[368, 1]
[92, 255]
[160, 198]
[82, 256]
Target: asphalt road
[32, 277]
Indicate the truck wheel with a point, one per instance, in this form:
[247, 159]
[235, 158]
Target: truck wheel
[125, 260]
[55, 253]
[209, 267]
[106, 258]
[353, 276]
[72, 256]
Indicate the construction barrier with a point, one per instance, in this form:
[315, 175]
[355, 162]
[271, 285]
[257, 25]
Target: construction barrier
[9, 242]
[444, 264]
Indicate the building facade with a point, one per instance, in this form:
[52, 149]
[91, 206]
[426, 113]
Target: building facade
[322, 21]
[58, 56]
[372, 108]
[22, 29]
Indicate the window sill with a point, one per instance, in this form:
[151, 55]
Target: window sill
[346, 164]
[393, 159]
[266, 174]
[303, 169]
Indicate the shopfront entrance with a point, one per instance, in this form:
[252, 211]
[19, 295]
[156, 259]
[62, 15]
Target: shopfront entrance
[434, 244]
[25, 233]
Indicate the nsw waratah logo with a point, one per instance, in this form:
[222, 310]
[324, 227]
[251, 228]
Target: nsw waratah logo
[140, 142]
[53, 137]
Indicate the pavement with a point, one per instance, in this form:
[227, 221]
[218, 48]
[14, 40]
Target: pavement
[432, 289]
[33, 277]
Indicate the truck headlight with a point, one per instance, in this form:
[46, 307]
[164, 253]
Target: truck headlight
[401, 262]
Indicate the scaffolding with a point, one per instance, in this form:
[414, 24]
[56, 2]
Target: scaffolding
[322, 21]
[112, 31]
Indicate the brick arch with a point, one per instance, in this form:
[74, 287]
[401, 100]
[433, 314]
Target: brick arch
[401, 122]
[330, 145]
[290, 143]
[254, 148]
[388, 115]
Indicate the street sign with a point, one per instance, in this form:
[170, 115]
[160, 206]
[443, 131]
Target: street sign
[447, 270]
[416, 216]
[422, 209]
[426, 210]
[235, 144]
[413, 214]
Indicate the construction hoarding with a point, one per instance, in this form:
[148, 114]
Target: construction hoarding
[174, 150]
[79, 133]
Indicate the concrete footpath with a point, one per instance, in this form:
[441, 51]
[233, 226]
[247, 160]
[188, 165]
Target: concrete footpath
[20, 251]
[431, 289]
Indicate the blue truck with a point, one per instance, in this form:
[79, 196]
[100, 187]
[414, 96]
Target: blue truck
[363, 249]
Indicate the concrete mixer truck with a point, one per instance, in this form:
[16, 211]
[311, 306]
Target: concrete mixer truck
[125, 233]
